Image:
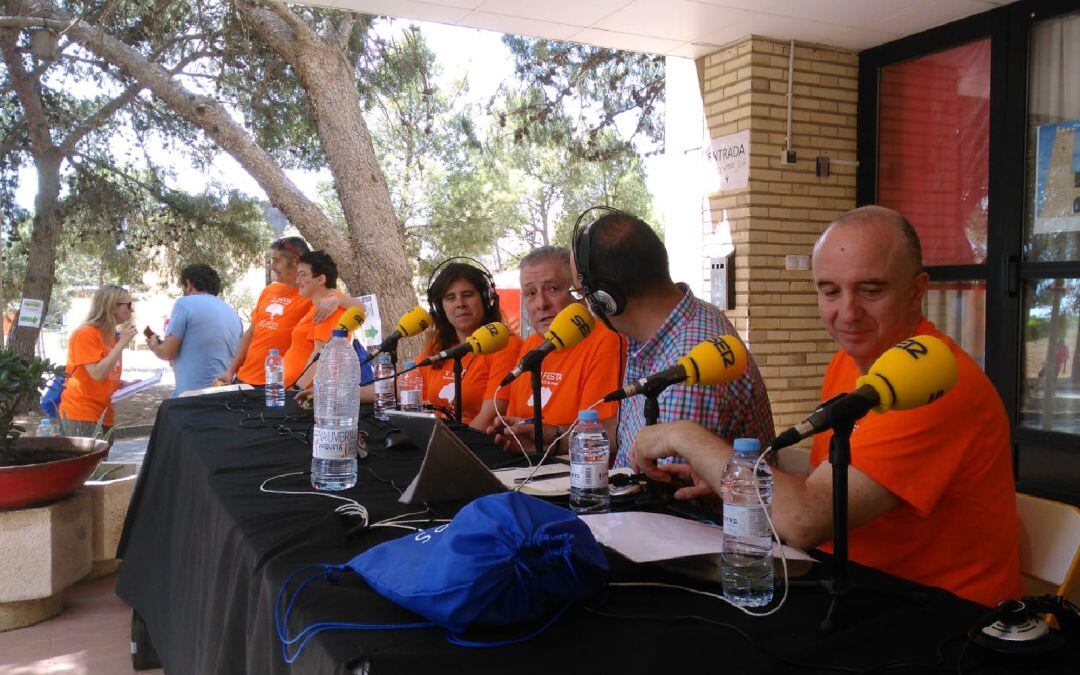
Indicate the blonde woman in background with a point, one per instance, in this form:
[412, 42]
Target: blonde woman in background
[94, 363]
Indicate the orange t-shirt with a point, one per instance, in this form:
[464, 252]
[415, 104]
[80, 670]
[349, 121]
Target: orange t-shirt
[84, 398]
[480, 376]
[304, 336]
[571, 380]
[279, 309]
[950, 464]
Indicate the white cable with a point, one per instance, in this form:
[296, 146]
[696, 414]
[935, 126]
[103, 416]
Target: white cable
[548, 451]
[507, 427]
[351, 507]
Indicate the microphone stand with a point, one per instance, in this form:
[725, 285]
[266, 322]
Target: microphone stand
[837, 586]
[457, 389]
[538, 415]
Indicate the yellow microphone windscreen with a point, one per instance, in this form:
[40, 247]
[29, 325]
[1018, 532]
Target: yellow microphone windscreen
[915, 372]
[570, 326]
[715, 361]
[352, 318]
[489, 338]
[414, 321]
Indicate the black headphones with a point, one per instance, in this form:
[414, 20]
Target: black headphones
[604, 297]
[488, 296]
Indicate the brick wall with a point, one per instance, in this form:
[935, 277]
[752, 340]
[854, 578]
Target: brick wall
[785, 207]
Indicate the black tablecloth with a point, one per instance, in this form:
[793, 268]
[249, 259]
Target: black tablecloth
[205, 553]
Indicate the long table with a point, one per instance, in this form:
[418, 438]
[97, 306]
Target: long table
[205, 552]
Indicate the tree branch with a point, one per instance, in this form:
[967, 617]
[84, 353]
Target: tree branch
[301, 29]
[67, 146]
[28, 95]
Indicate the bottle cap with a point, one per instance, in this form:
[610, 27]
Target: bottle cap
[273, 352]
[340, 332]
[747, 446]
[588, 416]
[410, 364]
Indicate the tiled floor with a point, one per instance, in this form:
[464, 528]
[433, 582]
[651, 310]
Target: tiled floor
[92, 636]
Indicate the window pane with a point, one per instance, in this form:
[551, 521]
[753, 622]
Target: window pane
[958, 309]
[933, 149]
[1052, 227]
[1050, 399]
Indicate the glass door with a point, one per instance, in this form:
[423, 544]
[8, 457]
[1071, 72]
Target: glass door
[1049, 269]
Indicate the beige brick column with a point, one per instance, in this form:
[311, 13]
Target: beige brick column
[786, 206]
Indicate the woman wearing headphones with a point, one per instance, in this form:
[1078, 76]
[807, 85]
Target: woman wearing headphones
[463, 298]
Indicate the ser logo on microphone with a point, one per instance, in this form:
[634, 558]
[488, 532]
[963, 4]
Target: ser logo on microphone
[726, 353]
[581, 324]
[916, 350]
[492, 329]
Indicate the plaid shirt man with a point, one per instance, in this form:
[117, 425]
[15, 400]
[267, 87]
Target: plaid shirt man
[738, 409]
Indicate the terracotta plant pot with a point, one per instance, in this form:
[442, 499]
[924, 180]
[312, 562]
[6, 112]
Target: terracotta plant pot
[23, 486]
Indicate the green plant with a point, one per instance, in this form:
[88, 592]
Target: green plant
[20, 381]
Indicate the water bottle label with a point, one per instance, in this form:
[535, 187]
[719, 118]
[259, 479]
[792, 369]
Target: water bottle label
[384, 387]
[591, 476]
[409, 397]
[333, 443]
[745, 520]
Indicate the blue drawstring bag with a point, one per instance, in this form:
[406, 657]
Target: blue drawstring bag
[50, 400]
[506, 559]
[367, 375]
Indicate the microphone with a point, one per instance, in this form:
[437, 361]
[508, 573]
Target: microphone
[412, 322]
[487, 339]
[715, 361]
[569, 327]
[351, 319]
[915, 372]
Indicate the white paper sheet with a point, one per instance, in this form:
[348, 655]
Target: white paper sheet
[551, 487]
[650, 537]
[136, 387]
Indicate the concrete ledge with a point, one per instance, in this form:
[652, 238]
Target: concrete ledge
[43, 550]
[110, 490]
[28, 612]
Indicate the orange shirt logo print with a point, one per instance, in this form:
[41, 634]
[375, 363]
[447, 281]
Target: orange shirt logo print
[274, 310]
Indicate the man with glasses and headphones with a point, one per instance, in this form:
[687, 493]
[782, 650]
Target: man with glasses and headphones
[621, 269]
[279, 309]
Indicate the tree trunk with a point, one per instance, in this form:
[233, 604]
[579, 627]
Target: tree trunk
[41, 262]
[375, 259]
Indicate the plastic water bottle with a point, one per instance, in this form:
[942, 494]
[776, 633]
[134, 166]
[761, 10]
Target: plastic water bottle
[589, 453]
[335, 441]
[46, 428]
[384, 389]
[747, 562]
[275, 380]
[411, 389]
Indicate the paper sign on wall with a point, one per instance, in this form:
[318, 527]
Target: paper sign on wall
[731, 157]
[1057, 178]
[370, 332]
[30, 312]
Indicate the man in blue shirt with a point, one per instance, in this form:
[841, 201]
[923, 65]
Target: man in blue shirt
[203, 331]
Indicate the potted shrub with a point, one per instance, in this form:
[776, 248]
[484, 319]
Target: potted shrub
[36, 470]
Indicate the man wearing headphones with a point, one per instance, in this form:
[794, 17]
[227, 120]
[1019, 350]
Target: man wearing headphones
[621, 268]
[571, 380]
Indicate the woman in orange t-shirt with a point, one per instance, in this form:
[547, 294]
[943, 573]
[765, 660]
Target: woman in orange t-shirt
[94, 363]
[463, 298]
[316, 279]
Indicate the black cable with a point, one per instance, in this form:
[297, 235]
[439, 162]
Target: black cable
[389, 482]
[960, 659]
[739, 631]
